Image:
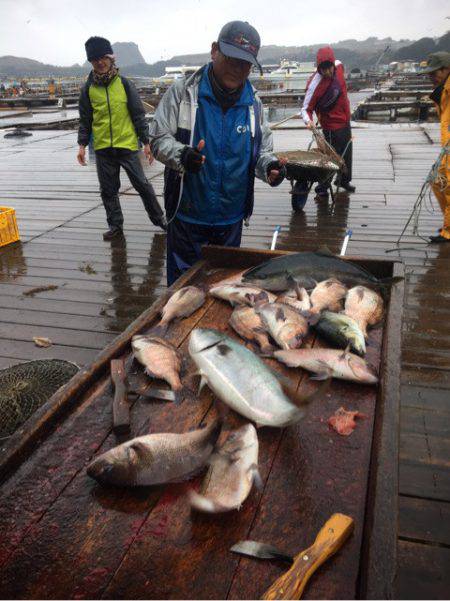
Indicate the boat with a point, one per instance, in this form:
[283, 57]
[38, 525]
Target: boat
[173, 73]
[292, 69]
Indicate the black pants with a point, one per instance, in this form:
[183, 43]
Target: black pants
[185, 241]
[109, 161]
[340, 140]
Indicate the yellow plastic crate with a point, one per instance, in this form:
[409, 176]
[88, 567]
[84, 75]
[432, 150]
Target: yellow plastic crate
[9, 231]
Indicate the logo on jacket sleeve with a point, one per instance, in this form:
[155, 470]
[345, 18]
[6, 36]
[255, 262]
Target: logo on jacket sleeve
[241, 129]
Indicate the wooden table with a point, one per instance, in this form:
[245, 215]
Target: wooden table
[65, 536]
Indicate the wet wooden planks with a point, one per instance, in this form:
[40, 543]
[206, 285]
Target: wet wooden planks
[61, 220]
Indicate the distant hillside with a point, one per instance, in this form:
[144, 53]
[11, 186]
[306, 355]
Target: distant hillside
[419, 50]
[353, 53]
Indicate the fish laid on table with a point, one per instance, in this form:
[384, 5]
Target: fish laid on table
[307, 268]
[328, 294]
[162, 361]
[343, 421]
[299, 299]
[240, 379]
[365, 306]
[341, 331]
[248, 324]
[182, 303]
[156, 458]
[284, 323]
[232, 472]
[238, 294]
[329, 363]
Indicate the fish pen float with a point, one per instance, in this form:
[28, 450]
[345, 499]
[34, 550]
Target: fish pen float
[66, 536]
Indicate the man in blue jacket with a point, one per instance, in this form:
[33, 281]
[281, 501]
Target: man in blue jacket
[210, 132]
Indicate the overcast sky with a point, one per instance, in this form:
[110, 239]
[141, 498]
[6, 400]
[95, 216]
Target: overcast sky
[55, 31]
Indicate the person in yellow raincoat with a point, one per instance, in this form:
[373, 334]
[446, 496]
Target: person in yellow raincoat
[438, 67]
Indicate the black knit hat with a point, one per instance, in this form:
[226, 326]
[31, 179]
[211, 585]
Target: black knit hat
[97, 47]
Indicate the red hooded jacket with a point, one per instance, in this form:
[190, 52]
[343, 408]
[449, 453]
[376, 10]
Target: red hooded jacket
[339, 114]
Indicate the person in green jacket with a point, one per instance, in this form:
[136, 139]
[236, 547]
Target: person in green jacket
[112, 113]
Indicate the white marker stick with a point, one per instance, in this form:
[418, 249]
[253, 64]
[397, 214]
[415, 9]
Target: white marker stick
[348, 235]
[274, 237]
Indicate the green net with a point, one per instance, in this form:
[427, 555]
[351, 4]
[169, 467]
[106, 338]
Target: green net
[25, 387]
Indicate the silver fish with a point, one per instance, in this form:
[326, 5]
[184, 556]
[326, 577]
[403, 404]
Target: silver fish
[326, 363]
[342, 331]
[328, 294]
[182, 303]
[365, 306]
[241, 379]
[238, 294]
[285, 324]
[248, 324]
[156, 458]
[162, 361]
[233, 470]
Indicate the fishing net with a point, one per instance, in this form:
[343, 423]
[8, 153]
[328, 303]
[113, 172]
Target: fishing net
[311, 165]
[25, 387]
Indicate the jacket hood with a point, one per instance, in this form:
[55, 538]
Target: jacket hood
[325, 54]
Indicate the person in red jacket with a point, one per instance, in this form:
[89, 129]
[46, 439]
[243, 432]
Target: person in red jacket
[326, 95]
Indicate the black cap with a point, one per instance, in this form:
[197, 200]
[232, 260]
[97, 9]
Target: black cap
[238, 39]
[97, 47]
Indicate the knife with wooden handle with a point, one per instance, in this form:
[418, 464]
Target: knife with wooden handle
[329, 540]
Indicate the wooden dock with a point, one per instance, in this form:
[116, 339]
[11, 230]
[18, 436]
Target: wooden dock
[102, 287]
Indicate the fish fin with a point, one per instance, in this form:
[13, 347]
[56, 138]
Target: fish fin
[391, 281]
[160, 329]
[203, 503]
[257, 480]
[187, 394]
[203, 382]
[324, 251]
[315, 396]
[136, 451]
[279, 315]
[260, 298]
[312, 318]
[322, 375]
[284, 381]
[345, 352]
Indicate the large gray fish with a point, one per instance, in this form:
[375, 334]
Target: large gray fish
[365, 306]
[182, 303]
[326, 363]
[341, 331]
[307, 268]
[241, 379]
[285, 324]
[248, 324]
[233, 470]
[156, 458]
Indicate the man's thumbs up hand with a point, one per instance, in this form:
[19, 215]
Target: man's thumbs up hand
[192, 159]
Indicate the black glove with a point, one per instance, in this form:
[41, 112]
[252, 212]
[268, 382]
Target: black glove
[281, 168]
[191, 159]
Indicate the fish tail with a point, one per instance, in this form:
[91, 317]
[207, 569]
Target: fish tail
[160, 329]
[184, 394]
[201, 503]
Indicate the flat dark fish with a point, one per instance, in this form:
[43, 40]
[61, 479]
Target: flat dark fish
[306, 268]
